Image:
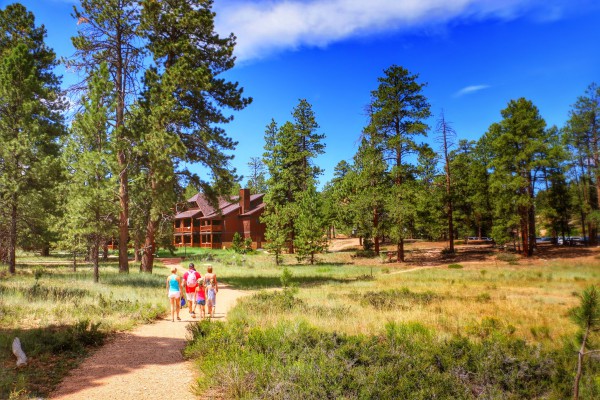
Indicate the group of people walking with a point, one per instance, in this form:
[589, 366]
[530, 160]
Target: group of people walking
[199, 291]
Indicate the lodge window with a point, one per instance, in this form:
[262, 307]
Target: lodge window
[196, 223]
[217, 238]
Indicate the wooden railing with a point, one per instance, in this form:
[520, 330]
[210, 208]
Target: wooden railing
[187, 229]
[211, 228]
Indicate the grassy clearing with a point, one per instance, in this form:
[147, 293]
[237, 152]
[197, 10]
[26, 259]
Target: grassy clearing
[59, 315]
[527, 298]
[490, 329]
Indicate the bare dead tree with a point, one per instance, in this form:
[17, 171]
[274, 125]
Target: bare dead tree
[446, 137]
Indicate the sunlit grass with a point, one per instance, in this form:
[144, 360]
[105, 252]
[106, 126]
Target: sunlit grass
[526, 299]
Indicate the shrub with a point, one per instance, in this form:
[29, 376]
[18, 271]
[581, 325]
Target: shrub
[365, 253]
[455, 266]
[508, 257]
[394, 298]
[293, 360]
[237, 244]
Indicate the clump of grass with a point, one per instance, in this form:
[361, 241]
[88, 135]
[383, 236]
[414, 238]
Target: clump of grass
[483, 297]
[487, 327]
[455, 266]
[540, 332]
[401, 298]
[508, 257]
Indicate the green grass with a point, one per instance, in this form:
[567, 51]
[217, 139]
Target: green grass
[59, 315]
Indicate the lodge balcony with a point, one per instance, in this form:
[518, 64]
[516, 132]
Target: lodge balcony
[211, 228]
[187, 229]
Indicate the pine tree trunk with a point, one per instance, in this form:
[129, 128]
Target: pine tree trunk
[123, 215]
[524, 222]
[94, 253]
[376, 225]
[45, 252]
[580, 365]
[147, 251]
[74, 261]
[136, 250]
[120, 83]
[400, 249]
[12, 236]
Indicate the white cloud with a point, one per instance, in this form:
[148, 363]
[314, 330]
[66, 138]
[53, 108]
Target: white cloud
[470, 89]
[264, 27]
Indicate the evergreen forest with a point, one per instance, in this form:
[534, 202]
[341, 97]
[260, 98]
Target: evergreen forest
[106, 160]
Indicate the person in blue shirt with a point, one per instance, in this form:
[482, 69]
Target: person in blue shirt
[174, 289]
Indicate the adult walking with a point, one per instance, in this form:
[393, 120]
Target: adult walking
[190, 281]
[212, 288]
[174, 289]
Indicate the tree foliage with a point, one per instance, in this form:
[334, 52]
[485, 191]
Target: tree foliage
[30, 126]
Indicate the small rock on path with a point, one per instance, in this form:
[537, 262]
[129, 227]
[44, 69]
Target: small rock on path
[146, 363]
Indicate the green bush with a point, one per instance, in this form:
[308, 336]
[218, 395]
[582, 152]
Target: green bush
[455, 266]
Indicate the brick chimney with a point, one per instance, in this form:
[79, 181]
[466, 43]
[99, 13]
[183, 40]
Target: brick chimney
[244, 200]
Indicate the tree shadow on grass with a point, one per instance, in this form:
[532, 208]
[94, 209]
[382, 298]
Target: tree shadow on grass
[51, 353]
[51, 357]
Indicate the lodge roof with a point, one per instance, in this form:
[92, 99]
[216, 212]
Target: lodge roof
[204, 210]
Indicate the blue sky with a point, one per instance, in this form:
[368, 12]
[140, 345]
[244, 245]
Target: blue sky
[475, 55]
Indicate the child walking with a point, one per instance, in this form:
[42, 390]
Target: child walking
[201, 298]
[212, 288]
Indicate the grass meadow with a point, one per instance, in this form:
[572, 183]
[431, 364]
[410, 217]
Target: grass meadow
[497, 328]
[494, 328]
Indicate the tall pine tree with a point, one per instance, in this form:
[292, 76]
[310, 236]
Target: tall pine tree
[30, 124]
[90, 207]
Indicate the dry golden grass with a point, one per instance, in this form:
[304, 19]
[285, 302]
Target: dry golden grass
[530, 300]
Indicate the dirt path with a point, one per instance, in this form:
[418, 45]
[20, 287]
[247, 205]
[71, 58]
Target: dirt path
[143, 364]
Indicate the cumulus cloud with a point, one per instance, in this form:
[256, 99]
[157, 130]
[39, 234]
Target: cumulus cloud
[264, 27]
[470, 89]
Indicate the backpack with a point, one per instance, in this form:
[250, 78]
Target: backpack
[192, 279]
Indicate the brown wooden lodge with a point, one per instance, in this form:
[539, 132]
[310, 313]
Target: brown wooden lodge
[201, 225]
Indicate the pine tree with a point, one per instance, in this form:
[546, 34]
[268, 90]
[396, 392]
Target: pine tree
[91, 208]
[446, 137]
[519, 146]
[310, 224]
[276, 219]
[108, 34]
[182, 40]
[30, 124]
[257, 181]
[289, 154]
[369, 183]
[472, 205]
[157, 155]
[582, 136]
[184, 103]
[397, 111]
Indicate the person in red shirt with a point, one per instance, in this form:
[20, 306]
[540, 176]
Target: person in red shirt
[190, 281]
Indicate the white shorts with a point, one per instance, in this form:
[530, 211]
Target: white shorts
[174, 294]
[190, 296]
